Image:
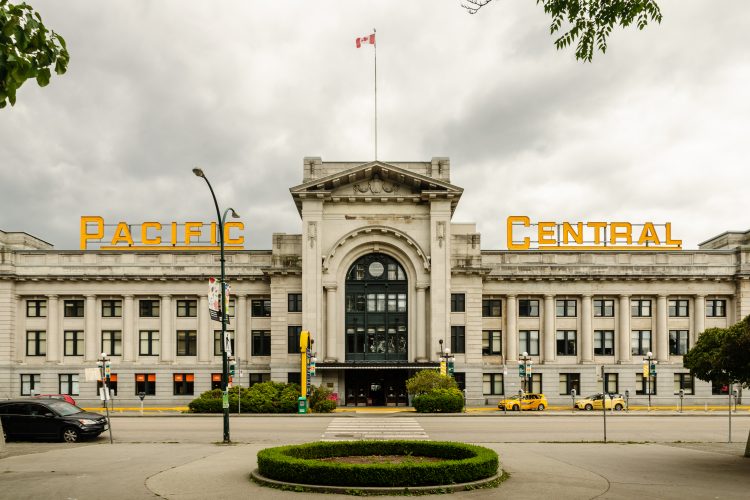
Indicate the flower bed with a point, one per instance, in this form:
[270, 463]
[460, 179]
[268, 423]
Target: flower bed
[301, 464]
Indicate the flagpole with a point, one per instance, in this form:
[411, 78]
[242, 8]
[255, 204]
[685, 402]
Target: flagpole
[376, 94]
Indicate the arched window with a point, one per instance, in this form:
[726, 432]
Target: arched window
[376, 309]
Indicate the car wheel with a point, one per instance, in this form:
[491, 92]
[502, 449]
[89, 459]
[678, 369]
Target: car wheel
[588, 407]
[618, 407]
[516, 408]
[70, 435]
[540, 407]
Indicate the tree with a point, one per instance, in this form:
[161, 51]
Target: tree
[27, 50]
[723, 355]
[428, 380]
[589, 22]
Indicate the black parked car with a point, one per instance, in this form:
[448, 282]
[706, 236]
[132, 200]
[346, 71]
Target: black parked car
[50, 419]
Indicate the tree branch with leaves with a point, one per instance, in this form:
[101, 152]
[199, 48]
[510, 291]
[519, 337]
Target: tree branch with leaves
[588, 23]
[27, 50]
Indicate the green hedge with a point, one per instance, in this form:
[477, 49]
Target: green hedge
[264, 397]
[439, 401]
[297, 463]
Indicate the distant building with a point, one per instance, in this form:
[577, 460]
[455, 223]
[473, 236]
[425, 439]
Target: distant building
[379, 276]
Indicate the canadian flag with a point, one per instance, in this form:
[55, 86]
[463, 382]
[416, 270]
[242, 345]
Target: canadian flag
[366, 39]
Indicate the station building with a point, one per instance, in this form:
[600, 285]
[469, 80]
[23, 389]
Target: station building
[385, 282]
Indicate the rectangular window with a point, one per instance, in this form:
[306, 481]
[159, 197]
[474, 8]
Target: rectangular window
[294, 303]
[683, 381]
[257, 378]
[73, 308]
[716, 308]
[231, 308]
[261, 343]
[145, 383]
[73, 343]
[640, 342]
[604, 342]
[187, 308]
[30, 384]
[678, 342]
[492, 342]
[604, 308]
[36, 308]
[678, 308]
[458, 302]
[568, 382]
[492, 308]
[36, 343]
[215, 381]
[148, 343]
[492, 383]
[111, 308]
[292, 335]
[644, 385]
[528, 308]
[566, 342]
[535, 387]
[611, 385]
[640, 308]
[260, 308]
[148, 308]
[68, 384]
[186, 343]
[528, 342]
[566, 308]
[460, 379]
[112, 342]
[112, 384]
[183, 384]
[217, 342]
[293, 378]
[458, 338]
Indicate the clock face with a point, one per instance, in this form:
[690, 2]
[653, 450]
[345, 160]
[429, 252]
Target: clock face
[376, 269]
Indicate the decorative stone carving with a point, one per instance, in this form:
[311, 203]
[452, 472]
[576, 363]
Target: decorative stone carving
[312, 233]
[376, 186]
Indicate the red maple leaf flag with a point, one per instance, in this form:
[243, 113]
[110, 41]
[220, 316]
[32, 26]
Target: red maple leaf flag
[365, 39]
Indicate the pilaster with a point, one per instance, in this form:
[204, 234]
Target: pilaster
[440, 274]
[90, 333]
[128, 330]
[623, 331]
[331, 332]
[167, 348]
[54, 341]
[511, 329]
[662, 336]
[549, 328]
[587, 333]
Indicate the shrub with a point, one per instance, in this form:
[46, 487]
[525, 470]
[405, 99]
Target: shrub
[429, 380]
[439, 401]
[264, 397]
[321, 400]
[298, 463]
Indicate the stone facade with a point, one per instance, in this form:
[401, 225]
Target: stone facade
[349, 211]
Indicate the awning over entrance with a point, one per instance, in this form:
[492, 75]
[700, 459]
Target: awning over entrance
[377, 366]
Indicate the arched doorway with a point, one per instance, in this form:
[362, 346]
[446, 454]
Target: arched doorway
[376, 310]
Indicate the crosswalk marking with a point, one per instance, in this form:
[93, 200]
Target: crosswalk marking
[352, 429]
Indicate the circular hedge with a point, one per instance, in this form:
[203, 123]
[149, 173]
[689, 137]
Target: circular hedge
[462, 463]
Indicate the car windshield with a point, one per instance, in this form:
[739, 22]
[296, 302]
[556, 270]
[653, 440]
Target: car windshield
[513, 397]
[63, 407]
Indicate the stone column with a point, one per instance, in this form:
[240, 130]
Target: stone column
[54, 335]
[662, 335]
[331, 324]
[421, 337]
[167, 347]
[240, 330]
[623, 334]
[549, 328]
[511, 329]
[90, 333]
[128, 329]
[699, 318]
[205, 332]
[587, 333]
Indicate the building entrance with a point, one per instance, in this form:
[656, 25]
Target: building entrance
[376, 387]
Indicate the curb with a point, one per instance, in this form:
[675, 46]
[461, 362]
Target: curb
[369, 490]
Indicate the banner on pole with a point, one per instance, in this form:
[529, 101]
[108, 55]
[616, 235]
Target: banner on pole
[214, 299]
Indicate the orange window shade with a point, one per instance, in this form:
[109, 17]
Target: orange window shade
[152, 377]
[189, 377]
[178, 377]
[113, 378]
[216, 377]
[140, 377]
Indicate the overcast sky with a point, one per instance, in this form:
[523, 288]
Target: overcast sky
[655, 130]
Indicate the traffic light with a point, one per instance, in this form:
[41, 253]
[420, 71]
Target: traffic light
[313, 360]
[653, 369]
[232, 366]
[522, 370]
[450, 367]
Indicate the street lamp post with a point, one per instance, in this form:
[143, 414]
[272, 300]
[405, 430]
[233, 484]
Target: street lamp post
[648, 371]
[104, 374]
[524, 369]
[224, 364]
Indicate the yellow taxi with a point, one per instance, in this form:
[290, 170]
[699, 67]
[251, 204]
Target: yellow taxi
[594, 402]
[529, 401]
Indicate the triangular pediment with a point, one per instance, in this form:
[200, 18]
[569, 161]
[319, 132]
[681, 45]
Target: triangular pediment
[374, 179]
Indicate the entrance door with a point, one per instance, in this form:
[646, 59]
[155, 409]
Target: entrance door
[376, 387]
